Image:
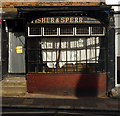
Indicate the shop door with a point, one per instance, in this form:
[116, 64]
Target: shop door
[16, 53]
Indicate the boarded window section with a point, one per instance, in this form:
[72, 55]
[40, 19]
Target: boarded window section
[50, 30]
[97, 30]
[66, 30]
[36, 30]
[82, 30]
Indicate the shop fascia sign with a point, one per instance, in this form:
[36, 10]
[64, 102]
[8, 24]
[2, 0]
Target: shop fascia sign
[64, 20]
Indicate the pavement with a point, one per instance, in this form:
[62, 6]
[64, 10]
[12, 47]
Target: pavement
[39, 106]
[50, 105]
[50, 101]
[23, 102]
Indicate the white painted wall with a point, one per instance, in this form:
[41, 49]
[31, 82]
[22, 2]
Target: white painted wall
[114, 2]
[117, 36]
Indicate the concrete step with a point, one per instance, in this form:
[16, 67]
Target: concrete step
[14, 78]
[14, 86]
[13, 91]
[14, 82]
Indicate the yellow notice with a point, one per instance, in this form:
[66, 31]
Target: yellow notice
[19, 50]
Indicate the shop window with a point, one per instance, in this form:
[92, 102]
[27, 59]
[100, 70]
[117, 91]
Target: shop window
[66, 54]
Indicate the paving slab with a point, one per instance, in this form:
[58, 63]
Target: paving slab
[91, 103]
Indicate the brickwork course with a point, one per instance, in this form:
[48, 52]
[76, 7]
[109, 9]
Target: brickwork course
[11, 4]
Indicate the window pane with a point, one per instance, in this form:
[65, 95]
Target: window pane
[35, 30]
[82, 30]
[66, 30]
[97, 30]
[50, 30]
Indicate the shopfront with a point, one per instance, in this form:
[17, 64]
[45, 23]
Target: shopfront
[62, 50]
[67, 50]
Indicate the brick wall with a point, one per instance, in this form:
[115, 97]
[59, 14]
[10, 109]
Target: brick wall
[13, 4]
[52, 0]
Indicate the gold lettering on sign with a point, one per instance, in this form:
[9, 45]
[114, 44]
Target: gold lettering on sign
[43, 20]
[76, 19]
[52, 20]
[62, 20]
[71, 20]
[57, 20]
[67, 19]
[47, 20]
[80, 19]
[89, 19]
[38, 20]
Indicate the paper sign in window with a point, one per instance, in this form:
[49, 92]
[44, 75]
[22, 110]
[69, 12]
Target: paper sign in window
[19, 50]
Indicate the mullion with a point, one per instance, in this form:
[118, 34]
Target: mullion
[95, 55]
[66, 56]
[46, 51]
[56, 58]
[76, 57]
[86, 55]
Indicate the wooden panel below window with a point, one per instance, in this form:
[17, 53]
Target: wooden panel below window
[67, 84]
